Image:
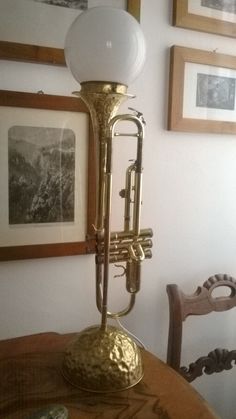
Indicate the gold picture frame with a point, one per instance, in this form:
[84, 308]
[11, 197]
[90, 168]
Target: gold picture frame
[191, 14]
[202, 91]
[25, 113]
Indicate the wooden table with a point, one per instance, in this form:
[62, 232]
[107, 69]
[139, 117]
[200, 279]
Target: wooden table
[31, 379]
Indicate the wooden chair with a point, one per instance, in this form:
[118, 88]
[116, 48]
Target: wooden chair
[201, 302]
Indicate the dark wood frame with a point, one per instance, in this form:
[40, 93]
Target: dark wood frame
[46, 55]
[183, 19]
[134, 8]
[58, 103]
[176, 121]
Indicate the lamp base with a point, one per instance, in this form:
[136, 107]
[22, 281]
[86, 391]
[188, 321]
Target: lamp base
[103, 360]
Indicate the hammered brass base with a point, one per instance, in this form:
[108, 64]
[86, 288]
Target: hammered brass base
[103, 361]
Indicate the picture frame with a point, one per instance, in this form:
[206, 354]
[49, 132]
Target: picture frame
[202, 91]
[212, 16]
[30, 24]
[33, 127]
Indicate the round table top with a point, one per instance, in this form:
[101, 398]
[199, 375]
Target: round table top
[31, 379]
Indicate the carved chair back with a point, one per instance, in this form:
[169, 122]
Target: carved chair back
[200, 303]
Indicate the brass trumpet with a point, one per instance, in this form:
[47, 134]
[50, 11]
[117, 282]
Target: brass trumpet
[132, 245]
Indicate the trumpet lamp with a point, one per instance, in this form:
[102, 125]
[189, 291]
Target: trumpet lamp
[105, 52]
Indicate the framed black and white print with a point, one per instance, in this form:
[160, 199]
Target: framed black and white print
[202, 91]
[46, 180]
[213, 16]
[45, 22]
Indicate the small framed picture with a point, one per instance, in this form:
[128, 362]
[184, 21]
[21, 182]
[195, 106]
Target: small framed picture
[202, 91]
[213, 16]
[47, 185]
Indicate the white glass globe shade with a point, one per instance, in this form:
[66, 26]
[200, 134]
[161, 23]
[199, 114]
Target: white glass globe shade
[105, 44]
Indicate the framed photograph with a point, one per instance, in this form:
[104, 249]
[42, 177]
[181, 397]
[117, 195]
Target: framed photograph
[45, 22]
[202, 91]
[213, 16]
[47, 185]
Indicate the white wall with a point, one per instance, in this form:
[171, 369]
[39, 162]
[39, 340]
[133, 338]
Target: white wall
[189, 201]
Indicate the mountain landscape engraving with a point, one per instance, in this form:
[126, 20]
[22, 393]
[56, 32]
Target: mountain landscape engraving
[41, 175]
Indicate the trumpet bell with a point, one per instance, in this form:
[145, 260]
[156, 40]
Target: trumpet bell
[103, 360]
